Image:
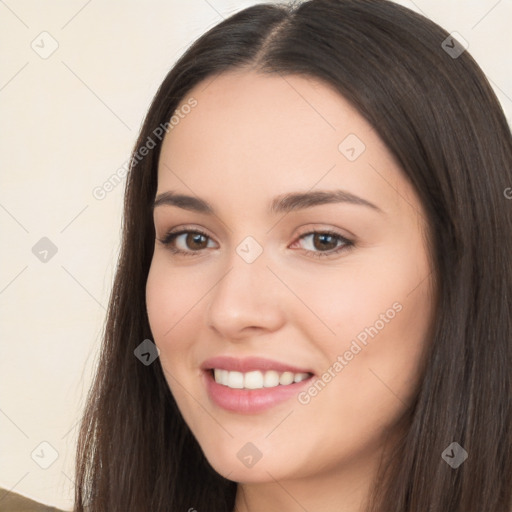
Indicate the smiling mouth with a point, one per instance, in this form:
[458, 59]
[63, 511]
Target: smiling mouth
[257, 379]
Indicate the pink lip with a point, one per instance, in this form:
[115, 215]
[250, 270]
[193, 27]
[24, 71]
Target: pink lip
[249, 364]
[249, 401]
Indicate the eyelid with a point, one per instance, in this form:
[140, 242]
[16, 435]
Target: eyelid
[175, 232]
[303, 230]
[323, 228]
[311, 229]
[347, 243]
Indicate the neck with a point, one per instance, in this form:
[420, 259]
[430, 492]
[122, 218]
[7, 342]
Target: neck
[342, 489]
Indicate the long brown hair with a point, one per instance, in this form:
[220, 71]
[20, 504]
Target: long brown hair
[438, 115]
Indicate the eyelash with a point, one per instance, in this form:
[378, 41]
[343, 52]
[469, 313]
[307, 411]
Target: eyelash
[172, 235]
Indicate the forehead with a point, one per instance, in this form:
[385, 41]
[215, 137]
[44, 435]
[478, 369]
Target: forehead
[255, 134]
[287, 116]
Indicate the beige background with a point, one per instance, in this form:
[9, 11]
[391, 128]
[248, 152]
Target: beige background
[67, 123]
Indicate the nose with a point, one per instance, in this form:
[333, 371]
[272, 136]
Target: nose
[248, 298]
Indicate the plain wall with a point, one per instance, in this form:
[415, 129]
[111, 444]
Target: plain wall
[67, 123]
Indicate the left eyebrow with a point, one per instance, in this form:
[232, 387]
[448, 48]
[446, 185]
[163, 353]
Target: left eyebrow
[300, 200]
[280, 204]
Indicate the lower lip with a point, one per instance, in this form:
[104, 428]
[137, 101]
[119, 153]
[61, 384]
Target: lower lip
[250, 400]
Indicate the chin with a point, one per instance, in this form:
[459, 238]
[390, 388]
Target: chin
[244, 463]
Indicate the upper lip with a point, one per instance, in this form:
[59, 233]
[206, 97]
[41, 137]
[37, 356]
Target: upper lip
[248, 364]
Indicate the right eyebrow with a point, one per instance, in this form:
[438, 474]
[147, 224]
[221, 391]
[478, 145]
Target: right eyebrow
[183, 201]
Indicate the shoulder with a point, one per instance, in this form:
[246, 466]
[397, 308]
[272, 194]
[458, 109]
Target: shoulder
[12, 502]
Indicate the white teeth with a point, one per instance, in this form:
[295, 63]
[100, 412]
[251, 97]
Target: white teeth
[271, 379]
[253, 380]
[236, 380]
[286, 378]
[256, 379]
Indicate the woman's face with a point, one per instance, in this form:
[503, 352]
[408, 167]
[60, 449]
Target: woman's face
[311, 267]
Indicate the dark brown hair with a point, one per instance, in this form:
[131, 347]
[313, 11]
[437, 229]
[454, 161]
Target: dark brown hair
[440, 118]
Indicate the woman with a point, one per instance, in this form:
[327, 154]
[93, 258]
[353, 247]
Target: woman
[312, 308]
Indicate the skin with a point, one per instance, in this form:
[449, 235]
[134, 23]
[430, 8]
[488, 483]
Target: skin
[250, 138]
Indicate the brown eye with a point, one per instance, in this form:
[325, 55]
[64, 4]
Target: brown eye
[196, 241]
[324, 241]
[187, 242]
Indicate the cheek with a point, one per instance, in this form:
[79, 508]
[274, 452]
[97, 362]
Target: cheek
[169, 301]
[373, 384]
[386, 291]
[170, 295]
[398, 351]
[381, 314]
[174, 301]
